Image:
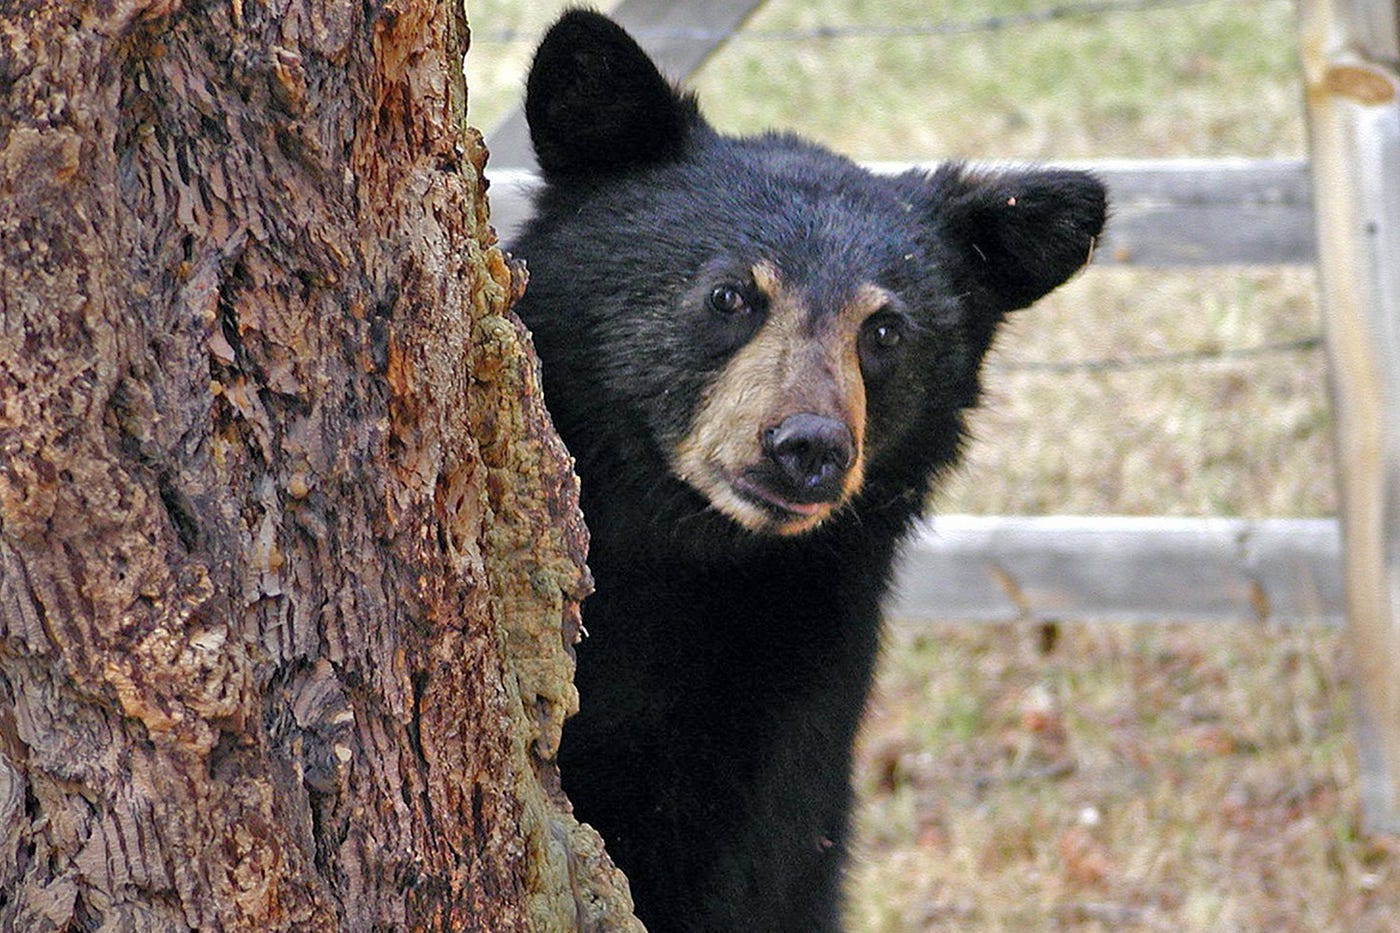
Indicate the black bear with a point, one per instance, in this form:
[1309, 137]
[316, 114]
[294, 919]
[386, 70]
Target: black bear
[760, 356]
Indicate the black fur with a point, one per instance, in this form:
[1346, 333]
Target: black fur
[725, 671]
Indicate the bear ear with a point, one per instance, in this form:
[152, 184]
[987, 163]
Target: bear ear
[1020, 233]
[596, 103]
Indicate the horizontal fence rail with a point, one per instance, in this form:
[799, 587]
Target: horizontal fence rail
[703, 29]
[1208, 212]
[1150, 569]
[1187, 212]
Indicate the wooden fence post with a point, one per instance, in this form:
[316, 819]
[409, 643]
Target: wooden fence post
[1350, 50]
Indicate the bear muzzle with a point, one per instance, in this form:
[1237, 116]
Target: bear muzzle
[807, 459]
[797, 473]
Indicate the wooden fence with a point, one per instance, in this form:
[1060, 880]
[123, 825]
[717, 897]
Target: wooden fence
[1339, 209]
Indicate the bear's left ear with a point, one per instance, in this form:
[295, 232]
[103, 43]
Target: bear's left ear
[596, 103]
[1020, 233]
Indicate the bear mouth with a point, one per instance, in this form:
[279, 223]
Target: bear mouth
[753, 503]
[755, 491]
[750, 501]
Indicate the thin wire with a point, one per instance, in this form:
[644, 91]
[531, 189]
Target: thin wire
[1180, 358]
[994, 23]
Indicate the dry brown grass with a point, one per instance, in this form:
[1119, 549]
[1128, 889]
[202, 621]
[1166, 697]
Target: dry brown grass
[1135, 778]
[1247, 436]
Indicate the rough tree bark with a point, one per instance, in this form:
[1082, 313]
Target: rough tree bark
[290, 557]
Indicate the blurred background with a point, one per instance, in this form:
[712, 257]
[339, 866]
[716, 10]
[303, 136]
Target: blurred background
[1104, 776]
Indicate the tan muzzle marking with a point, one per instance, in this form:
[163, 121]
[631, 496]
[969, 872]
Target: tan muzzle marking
[795, 363]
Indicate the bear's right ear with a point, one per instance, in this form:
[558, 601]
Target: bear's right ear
[596, 103]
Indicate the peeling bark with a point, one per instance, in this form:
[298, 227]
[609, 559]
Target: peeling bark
[290, 556]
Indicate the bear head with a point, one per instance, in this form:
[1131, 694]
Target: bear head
[758, 328]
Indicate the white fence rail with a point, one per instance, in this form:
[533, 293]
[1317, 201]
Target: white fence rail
[1149, 569]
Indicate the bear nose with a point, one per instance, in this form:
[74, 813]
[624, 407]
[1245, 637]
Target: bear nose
[813, 453]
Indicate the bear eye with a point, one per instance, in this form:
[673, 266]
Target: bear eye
[879, 343]
[885, 335]
[882, 332]
[728, 299]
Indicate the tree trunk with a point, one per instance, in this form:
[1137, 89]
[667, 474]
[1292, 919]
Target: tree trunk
[290, 556]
